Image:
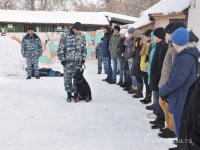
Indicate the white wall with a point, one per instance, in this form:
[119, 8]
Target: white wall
[194, 18]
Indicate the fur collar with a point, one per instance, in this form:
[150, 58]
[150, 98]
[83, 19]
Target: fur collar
[189, 45]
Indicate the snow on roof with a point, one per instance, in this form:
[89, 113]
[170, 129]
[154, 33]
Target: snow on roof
[164, 7]
[52, 17]
[61, 17]
[111, 16]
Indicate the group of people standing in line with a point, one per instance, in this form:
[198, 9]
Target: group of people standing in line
[165, 60]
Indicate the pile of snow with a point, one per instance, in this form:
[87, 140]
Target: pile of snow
[11, 62]
[164, 7]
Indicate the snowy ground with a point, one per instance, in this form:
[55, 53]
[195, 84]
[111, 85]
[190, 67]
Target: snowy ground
[35, 116]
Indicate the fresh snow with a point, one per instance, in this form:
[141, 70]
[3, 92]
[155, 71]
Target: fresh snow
[35, 116]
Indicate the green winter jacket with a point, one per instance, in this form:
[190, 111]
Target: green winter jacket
[114, 46]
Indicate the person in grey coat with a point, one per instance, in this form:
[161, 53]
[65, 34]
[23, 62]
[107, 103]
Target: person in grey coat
[31, 49]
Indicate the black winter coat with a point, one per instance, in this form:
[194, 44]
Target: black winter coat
[189, 136]
[136, 62]
[157, 63]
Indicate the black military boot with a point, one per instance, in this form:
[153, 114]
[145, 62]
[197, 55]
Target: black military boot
[37, 77]
[69, 97]
[29, 77]
[147, 99]
[167, 134]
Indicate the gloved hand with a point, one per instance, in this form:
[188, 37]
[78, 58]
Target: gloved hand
[96, 56]
[64, 62]
[24, 55]
[83, 61]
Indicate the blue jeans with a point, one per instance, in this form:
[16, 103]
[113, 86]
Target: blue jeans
[156, 107]
[115, 63]
[108, 68]
[177, 123]
[114, 68]
[133, 78]
[121, 70]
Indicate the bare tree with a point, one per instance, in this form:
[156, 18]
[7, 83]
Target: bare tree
[7, 4]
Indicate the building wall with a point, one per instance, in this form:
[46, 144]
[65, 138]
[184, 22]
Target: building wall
[193, 21]
[163, 21]
[50, 41]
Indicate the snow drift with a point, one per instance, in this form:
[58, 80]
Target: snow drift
[11, 62]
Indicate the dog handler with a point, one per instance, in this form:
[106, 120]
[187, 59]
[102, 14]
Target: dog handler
[72, 53]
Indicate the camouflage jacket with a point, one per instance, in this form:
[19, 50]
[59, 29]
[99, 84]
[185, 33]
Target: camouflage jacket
[99, 50]
[72, 47]
[31, 46]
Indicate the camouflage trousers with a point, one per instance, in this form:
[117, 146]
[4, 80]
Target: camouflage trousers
[101, 61]
[70, 70]
[32, 65]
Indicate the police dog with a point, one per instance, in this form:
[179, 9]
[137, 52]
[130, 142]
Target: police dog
[83, 88]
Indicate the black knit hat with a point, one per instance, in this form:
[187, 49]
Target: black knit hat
[178, 25]
[30, 28]
[160, 33]
[169, 27]
[117, 27]
[148, 32]
[77, 26]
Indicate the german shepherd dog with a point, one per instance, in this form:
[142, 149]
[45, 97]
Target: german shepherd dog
[83, 88]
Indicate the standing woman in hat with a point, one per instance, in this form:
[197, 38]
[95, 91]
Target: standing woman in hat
[31, 49]
[72, 53]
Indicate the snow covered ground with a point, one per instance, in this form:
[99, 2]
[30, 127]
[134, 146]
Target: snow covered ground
[35, 116]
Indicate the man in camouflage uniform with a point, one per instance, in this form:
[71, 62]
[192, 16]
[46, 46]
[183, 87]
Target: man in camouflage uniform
[99, 56]
[31, 49]
[72, 53]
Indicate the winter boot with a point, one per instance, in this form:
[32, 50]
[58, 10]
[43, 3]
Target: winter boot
[167, 134]
[120, 83]
[99, 72]
[139, 91]
[132, 91]
[127, 88]
[124, 85]
[29, 77]
[37, 77]
[175, 148]
[149, 107]
[147, 99]
[69, 97]
[106, 80]
[112, 82]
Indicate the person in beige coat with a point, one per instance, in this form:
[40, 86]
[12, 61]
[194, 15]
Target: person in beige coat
[168, 132]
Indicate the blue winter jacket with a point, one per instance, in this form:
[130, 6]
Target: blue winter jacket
[183, 75]
[105, 45]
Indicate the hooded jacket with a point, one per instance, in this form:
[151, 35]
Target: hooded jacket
[183, 75]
